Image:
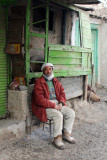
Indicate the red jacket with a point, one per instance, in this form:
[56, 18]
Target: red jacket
[40, 97]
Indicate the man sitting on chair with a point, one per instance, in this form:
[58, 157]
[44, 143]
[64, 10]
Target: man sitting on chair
[48, 102]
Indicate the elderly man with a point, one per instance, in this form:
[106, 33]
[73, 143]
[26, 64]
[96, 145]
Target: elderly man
[49, 102]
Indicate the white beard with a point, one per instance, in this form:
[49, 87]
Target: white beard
[50, 77]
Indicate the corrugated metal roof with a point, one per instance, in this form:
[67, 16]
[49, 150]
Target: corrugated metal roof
[82, 1]
[99, 13]
[8, 2]
[84, 7]
[98, 10]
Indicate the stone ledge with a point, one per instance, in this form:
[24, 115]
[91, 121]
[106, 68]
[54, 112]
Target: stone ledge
[18, 106]
[11, 129]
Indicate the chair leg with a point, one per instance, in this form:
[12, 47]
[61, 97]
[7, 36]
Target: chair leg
[50, 129]
[43, 125]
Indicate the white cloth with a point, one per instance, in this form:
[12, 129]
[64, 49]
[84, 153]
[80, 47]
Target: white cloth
[62, 120]
[50, 77]
[46, 64]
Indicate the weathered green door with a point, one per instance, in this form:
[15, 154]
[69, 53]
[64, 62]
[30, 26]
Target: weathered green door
[77, 34]
[3, 64]
[95, 55]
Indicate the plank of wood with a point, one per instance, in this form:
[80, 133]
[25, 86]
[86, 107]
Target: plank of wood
[73, 86]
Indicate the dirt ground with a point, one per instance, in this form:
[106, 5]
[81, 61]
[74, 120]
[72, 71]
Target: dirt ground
[90, 132]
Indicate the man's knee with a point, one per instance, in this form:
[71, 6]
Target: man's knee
[71, 113]
[54, 114]
[59, 115]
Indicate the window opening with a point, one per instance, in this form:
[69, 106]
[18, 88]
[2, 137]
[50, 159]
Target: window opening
[51, 20]
[39, 18]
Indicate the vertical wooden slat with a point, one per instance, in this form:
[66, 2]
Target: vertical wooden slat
[85, 30]
[27, 64]
[85, 87]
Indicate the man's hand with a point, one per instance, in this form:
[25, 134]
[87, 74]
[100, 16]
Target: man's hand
[58, 106]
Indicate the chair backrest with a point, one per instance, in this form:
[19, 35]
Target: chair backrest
[34, 119]
[30, 89]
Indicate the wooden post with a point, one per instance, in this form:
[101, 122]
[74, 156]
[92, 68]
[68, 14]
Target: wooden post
[85, 88]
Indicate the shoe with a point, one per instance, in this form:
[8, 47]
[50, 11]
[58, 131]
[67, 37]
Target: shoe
[58, 142]
[68, 138]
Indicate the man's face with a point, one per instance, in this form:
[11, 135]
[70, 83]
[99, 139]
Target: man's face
[47, 71]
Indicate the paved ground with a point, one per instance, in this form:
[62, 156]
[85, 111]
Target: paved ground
[90, 131]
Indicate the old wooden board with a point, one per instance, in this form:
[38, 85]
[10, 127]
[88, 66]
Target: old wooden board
[73, 86]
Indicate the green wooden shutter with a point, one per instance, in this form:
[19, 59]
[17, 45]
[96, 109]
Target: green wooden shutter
[3, 64]
[85, 30]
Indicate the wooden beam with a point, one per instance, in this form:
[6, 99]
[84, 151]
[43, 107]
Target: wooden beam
[85, 88]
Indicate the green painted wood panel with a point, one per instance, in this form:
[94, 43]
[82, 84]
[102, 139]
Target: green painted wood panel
[70, 63]
[68, 54]
[86, 39]
[3, 64]
[64, 57]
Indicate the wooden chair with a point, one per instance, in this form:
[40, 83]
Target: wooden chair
[29, 123]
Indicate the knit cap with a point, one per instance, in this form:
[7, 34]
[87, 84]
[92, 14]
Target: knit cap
[46, 64]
